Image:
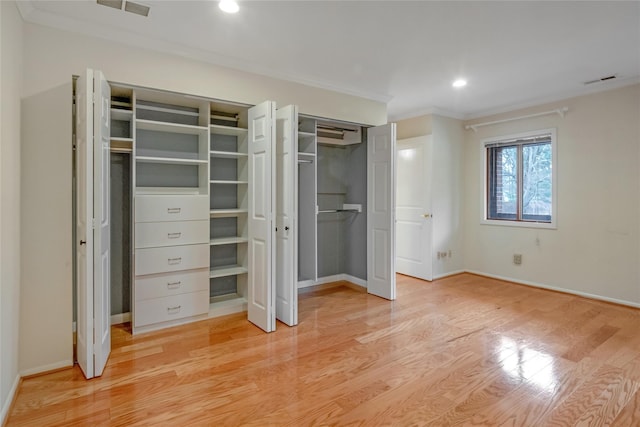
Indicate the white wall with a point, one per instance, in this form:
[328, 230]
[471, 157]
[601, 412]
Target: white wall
[447, 193]
[447, 186]
[10, 85]
[51, 57]
[596, 247]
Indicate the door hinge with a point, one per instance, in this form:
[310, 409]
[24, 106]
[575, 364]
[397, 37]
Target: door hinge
[93, 223]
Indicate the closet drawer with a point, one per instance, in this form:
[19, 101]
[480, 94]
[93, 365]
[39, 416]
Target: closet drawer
[172, 233]
[163, 285]
[171, 258]
[174, 307]
[171, 208]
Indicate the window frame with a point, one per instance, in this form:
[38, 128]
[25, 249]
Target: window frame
[486, 178]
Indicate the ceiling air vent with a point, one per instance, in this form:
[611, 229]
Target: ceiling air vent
[137, 8]
[601, 79]
[127, 6]
[116, 4]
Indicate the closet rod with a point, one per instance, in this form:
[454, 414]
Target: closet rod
[338, 210]
[335, 129]
[304, 161]
[225, 118]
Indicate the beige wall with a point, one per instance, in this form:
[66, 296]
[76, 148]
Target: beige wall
[596, 247]
[51, 58]
[10, 85]
[415, 126]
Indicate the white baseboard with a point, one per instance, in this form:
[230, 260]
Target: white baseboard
[557, 289]
[6, 405]
[117, 319]
[47, 368]
[330, 279]
[447, 274]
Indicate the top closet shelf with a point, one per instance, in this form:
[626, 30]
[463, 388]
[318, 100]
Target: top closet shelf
[302, 134]
[120, 114]
[228, 130]
[227, 154]
[170, 127]
[170, 160]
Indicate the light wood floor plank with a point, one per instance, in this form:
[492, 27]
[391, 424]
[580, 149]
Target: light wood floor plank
[464, 350]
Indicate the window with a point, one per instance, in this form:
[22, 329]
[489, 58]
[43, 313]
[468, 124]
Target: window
[520, 180]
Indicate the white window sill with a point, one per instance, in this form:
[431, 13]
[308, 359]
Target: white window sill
[522, 224]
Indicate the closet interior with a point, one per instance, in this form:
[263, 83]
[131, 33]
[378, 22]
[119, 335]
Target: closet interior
[332, 177]
[179, 206]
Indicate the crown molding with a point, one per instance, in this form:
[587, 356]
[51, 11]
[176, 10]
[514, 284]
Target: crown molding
[562, 96]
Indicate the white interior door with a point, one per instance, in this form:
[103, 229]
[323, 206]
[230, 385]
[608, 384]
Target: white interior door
[286, 218]
[84, 229]
[261, 286]
[93, 222]
[381, 274]
[102, 220]
[413, 207]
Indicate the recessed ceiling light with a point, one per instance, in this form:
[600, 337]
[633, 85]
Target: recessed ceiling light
[459, 83]
[229, 6]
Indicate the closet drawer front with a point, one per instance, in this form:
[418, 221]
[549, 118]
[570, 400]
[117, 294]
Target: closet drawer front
[171, 208]
[154, 234]
[163, 285]
[171, 258]
[165, 309]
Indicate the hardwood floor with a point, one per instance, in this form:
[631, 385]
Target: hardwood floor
[465, 350]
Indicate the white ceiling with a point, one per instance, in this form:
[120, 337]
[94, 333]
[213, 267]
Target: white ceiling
[405, 53]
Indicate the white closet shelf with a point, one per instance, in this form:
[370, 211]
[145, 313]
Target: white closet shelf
[227, 154]
[302, 134]
[170, 160]
[221, 213]
[224, 181]
[228, 130]
[228, 240]
[170, 127]
[227, 270]
[170, 191]
[306, 155]
[120, 114]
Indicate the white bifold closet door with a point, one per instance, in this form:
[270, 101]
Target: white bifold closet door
[93, 222]
[286, 218]
[381, 204]
[261, 253]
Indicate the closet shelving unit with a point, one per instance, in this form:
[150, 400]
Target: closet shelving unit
[122, 120]
[228, 181]
[307, 199]
[171, 176]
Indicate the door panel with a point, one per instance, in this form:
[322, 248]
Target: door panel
[261, 283]
[381, 278]
[84, 231]
[93, 222]
[413, 208]
[286, 218]
[102, 213]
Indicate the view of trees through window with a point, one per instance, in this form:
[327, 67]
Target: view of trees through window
[533, 185]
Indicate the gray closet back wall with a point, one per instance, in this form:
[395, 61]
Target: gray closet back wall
[342, 236]
[120, 233]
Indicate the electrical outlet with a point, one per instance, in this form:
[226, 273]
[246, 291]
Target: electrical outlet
[517, 259]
